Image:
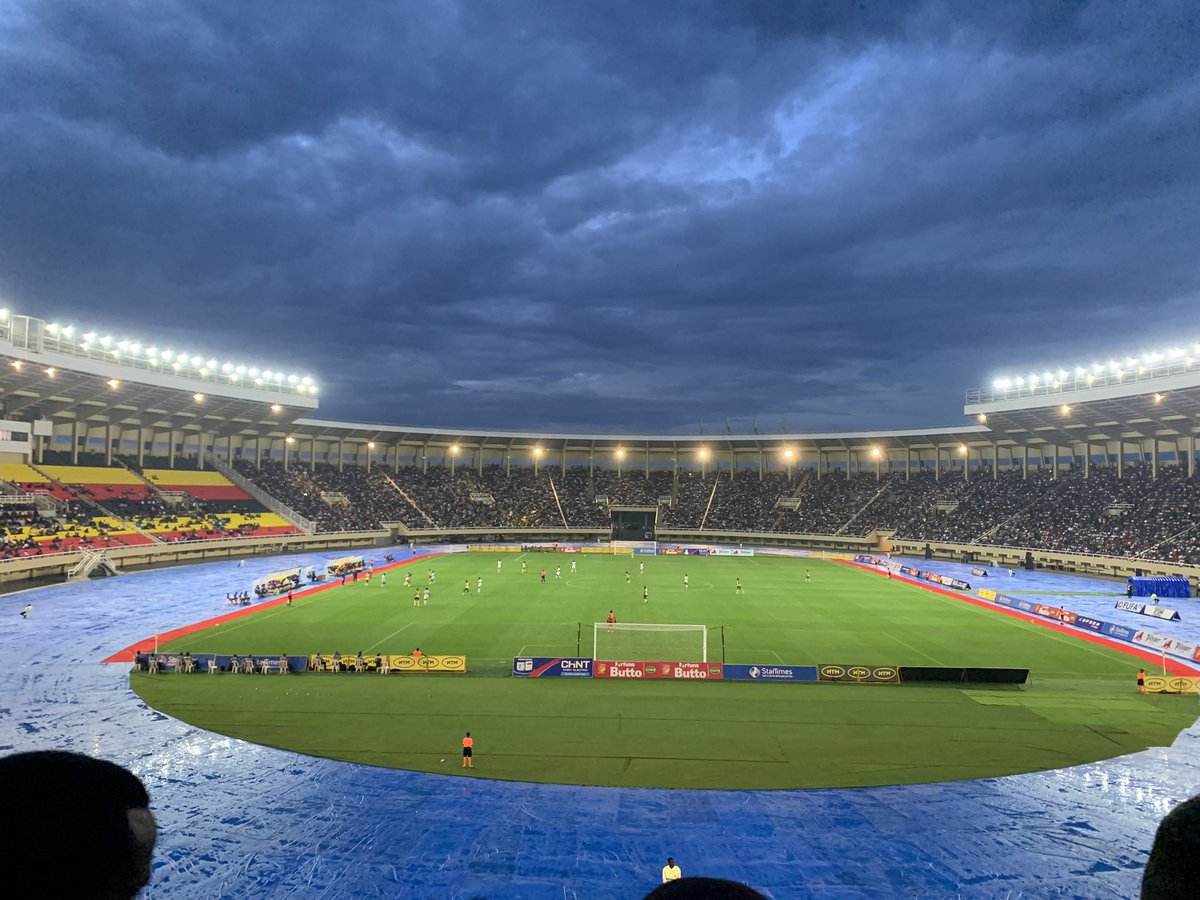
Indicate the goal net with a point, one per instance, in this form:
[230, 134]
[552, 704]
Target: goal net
[650, 643]
[627, 548]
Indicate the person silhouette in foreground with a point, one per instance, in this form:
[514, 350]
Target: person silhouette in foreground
[704, 889]
[1173, 871]
[82, 827]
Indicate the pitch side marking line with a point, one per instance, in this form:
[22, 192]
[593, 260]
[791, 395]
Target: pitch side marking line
[913, 649]
[389, 637]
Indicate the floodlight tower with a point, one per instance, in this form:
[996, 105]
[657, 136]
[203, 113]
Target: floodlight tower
[788, 455]
[620, 455]
[453, 458]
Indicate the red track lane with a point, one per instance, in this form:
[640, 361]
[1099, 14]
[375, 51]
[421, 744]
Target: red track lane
[149, 643]
[1174, 666]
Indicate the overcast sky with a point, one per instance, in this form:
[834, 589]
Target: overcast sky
[610, 216]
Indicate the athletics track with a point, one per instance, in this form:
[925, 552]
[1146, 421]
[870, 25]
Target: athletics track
[240, 820]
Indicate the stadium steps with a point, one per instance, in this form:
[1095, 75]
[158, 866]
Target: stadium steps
[879, 493]
[557, 502]
[271, 502]
[711, 496]
[796, 494]
[411, 502]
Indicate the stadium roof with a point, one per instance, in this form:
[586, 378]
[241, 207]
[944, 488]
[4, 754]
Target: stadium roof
[46, 372]
[1163, 404]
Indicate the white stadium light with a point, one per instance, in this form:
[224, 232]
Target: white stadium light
[122, 345]
[253, 372]
[227, 367]
[197, 362]
[52, 328]
[3, 315]
[1080, 371]
[106, 341]
[1020, 382]
[306, 380]
[90, 336]
[151, 352]
[240, 370]
[1063, 374]
[177, 365]
[211, 364]
[68, 331]
[258, 381]
[292, 379]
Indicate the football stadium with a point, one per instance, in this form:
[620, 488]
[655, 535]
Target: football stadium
[934, 661]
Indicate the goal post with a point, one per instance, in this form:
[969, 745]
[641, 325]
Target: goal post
[649, 642]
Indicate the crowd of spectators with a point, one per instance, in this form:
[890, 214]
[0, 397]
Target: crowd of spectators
[1133, 515]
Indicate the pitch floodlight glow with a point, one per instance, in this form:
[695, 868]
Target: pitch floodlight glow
[292, 379]
[68, 331]
[113, 383]
[1020, 382]
[982, 418]
[17, 364]
[1033, 381]
[1080, 372]
[106, 341]
[276, 408]
[453, 449]
[306, 380]
[197, 362]
[241, 370]
[177, 365]
[289, 439]
[253, 372]
[52, 328]
[1158, 398]
[227, 367]
[90, 336]
[875, 452]
[1065, 409]
[199, 398]
[3, 315]
[258, 381]
[51, 372]
[122, 345]
[266, 374]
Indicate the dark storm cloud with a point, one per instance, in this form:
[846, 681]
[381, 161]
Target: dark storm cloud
[609, 216]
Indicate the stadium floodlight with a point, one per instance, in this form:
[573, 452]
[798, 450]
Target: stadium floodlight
[982, 418]
[51, 372]
[199, 398]
[122, 345]
[90, 336]
[52, 328]
[453, 449]
[276, 408]
[177, 365]
[537, 451]
[253, 372]
[266, 374]
[1063, 374]
[258, 381]
[135, 348]
[1158, 398]
[113, 383]
[1080, 372]
[293, 379]
[211, 365]
[306, 380]
[1175, 353]
[875, 452]
[240, 370]
[17, 364]
[197, 362]
[68, 331]
[962, 449]
[1020, 382]
[289, 440]
[279, 378]
[312, 389]
[702, 453]
[1033, 381]
[1065, 409]
[227, 367]
[619, 453]
[3, 315]
[106, 341]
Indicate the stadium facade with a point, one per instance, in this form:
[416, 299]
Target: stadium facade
[77, 397]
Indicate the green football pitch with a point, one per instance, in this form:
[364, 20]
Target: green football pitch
[1080, 704]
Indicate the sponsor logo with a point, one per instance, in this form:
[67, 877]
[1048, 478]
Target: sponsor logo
[832, 672]
[754, 671]
[524, 665]
[626, 673]
[883, 672]
[858, 672]
[681, 672]
[1130, 606]
[576, 664]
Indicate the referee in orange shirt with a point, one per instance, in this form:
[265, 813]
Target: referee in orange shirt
[468, 746]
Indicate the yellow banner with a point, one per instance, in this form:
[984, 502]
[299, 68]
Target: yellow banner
[987, 594]
[1172, 684]
[395, 663]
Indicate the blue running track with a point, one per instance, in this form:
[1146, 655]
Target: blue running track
[239, 820]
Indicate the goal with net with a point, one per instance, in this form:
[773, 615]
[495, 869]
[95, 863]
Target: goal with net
[650, 643]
